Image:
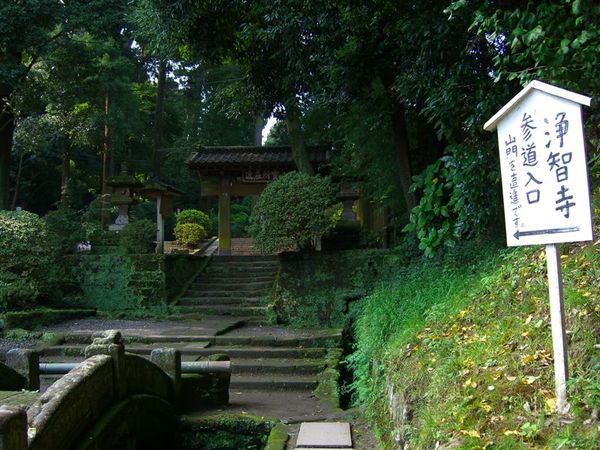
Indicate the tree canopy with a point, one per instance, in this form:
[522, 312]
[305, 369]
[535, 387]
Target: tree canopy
[400, 90]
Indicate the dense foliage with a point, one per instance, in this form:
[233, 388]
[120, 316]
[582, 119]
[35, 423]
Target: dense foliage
[83, 92]
[26, 265]
[292, 212]
[457, 198]
[138, 237]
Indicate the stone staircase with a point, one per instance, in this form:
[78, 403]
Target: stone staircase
[262, 358]
[232, 285]
[274, 369]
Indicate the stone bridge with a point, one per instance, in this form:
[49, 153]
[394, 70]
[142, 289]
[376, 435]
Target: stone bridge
[112, 400]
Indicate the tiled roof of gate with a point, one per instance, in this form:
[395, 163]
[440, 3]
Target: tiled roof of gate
[281, 155]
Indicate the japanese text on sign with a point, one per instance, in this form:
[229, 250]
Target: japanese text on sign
[544, 177]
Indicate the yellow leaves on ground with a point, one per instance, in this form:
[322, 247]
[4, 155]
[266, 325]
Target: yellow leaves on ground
[511, 433]
[543, 357]
[550, 405]
[530, 379]
[472, 433]
[470, 383]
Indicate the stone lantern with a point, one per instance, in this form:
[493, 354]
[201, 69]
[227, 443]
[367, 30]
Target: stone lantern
[122, 196]
[165, 195]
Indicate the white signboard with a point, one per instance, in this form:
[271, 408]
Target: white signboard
[544, 169]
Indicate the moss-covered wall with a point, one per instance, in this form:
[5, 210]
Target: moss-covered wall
[320, 289]
[119, 281]
[180, 271]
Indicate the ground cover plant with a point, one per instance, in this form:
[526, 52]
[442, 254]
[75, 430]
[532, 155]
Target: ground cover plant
[462, 353]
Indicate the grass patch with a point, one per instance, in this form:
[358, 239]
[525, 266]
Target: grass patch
[37, 318]
[461, 352]
[225, 432]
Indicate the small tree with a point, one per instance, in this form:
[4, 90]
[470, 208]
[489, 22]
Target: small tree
[27, 269]
[292, 211]
[194, 216]
[189, 234]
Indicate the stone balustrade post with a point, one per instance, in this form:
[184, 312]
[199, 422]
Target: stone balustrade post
[27, 363]
[110, 343]
[222, 379]
[13, 428]
[169, 360]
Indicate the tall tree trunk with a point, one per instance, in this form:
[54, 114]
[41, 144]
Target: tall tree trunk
[66, 176]
[401, 144]
[299, 151]
[402, 148]
[15, 199]
[7, 127]
[159, 114]
[429, 146]
[259, 126]
[106, 157]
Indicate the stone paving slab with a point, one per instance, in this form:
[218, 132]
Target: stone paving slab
[285, 405]
[206, 326]
[324, 435]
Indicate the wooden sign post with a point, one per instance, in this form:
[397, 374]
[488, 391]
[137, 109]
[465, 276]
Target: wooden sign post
[545, 189]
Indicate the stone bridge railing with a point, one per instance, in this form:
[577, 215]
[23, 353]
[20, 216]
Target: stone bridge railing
[112, 400]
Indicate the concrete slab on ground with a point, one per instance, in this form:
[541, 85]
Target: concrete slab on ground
[324, 435]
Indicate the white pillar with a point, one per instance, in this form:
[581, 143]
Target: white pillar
[557, 319]
[160, 227]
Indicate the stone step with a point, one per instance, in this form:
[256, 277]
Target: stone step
[252, 353]
[235, 273]
[278, 366]
[255, 258]
[273, 266]
[228, 293]
[225, 310]
[249, 301]
[269, 382]
[239, 278]
[324, 338]
[231, 285]
[255, 320]
[232, 289]
[244, 262]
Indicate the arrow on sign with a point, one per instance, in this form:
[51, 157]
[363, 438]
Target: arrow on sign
[518, 234]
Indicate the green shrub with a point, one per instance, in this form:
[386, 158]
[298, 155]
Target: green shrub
[27, 268]
[105, 282]
[240, 217]
[194, 216]
[458, 199]
[189, 233]
[138, 237]
[16, 291]
[292, 211]
[19, 335]
[65, 230]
